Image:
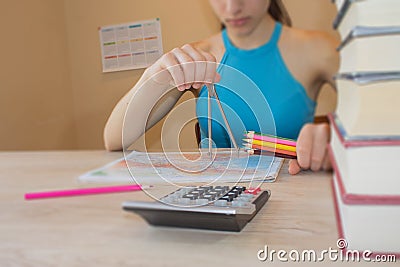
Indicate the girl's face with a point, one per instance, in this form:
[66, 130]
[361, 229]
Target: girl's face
[240, 17]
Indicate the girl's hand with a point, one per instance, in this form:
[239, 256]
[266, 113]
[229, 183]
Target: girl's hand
[184, 68]
[312, 152]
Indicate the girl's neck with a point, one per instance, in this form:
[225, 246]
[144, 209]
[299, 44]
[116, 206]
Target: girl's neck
[260, 35]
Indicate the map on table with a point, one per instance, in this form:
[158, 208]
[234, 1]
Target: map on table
[185, 167]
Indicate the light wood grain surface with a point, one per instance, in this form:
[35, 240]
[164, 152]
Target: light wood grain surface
[95, 231]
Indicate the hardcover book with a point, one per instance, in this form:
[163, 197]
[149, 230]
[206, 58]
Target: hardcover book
[368, 103]
[368, 166]
[368, 226]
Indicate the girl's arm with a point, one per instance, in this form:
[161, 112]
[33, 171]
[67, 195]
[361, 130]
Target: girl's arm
[312, 142]
[134, 113]
[152, 98]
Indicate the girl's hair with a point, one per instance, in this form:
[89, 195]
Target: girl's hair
[278, 11]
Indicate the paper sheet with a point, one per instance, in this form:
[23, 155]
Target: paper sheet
[185, 167]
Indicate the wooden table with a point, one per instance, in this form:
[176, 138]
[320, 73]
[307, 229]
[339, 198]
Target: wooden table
[95, 231]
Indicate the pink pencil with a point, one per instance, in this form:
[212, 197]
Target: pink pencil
[277, 140]
[84, 191]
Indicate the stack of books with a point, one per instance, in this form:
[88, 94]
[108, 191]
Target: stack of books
[365, 127]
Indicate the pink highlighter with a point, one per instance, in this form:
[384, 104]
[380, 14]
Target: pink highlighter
[84, 191]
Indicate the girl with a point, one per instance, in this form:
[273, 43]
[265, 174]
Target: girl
[288, 65]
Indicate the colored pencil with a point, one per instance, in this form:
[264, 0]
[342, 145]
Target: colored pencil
[268, 153]
[270, 144]
[270, 138]
[270, 149]
[84, 191]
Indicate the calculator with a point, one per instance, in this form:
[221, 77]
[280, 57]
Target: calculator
[222, 207]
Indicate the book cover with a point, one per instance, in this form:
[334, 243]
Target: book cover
[368, 167]
[374, 13]
[368, 103]
[367, 226]
[370, 49]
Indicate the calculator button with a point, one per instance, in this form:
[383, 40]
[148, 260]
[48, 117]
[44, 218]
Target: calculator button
[201, 201]
[221, 203]
[237, 203]
[247, 196]
[206, 187]
[214, 193]
[207, 197]
[240, 188]
[196, 193]
[225, 188]
[179, 193]
[170, 199]
[236, 192]
[243, 199]
[220, 191]
[184, 201]
[231, 194]
[228, 198]
[190, 196]
[201, 190]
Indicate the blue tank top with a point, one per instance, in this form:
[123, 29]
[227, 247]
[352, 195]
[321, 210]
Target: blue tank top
[257, 92]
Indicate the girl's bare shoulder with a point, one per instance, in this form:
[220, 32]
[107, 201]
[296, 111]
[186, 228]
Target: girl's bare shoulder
[310, 43]
[317, 49]
[213, 45]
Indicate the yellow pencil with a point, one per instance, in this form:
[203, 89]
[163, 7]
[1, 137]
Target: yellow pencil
[270, 144]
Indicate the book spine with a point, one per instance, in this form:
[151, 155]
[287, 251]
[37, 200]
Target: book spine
[342, 13]
[359, 199]
[360, 141]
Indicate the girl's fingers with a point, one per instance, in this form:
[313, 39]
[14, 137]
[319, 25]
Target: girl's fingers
[200, 65]
[187, 66]
[304, 146]
[211, 75]
[320, 140]
[169, 64]
[294, 167]
[326, 166]
[312, 147]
